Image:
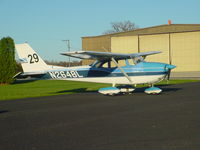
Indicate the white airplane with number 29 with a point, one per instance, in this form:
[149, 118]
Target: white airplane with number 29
[101, 71]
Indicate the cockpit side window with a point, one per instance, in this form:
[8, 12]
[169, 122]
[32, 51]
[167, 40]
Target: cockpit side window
[131, 61]
[138, 59]
[110, 64]
[102, 64]
[97, 64]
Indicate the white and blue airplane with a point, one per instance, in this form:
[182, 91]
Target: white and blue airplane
[101, 71]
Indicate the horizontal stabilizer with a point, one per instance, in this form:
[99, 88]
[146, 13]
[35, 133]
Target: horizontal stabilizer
[23, 60]
[22, 75]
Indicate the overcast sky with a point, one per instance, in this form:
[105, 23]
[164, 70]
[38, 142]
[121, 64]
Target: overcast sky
[45, 23]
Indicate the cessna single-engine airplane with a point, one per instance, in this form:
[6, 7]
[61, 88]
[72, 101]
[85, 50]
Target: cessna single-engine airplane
[106, 69]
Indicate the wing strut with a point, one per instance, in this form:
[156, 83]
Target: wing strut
[122, 70]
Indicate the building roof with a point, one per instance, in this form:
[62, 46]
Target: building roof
[172, 28]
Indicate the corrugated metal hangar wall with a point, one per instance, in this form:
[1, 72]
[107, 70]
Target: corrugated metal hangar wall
[180, 46]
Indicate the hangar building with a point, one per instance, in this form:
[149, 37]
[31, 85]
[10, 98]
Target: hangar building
[179, 43]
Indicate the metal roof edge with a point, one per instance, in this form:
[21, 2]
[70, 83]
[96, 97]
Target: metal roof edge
[115, 34]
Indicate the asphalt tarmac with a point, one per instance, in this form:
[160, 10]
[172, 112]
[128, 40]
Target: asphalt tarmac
[90, 121]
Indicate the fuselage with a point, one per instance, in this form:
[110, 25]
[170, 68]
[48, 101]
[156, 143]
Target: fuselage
[141, 73]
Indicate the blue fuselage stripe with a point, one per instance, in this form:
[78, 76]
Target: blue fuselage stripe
[96, 73]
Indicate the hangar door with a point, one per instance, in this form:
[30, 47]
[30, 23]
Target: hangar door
[186, 51]
[159, 42]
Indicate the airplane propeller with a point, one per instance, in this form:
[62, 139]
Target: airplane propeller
[168, 68]
[168, 74]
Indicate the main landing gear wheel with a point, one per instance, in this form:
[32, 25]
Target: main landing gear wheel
[153, 90]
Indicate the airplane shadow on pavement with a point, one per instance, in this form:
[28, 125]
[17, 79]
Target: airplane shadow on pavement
[165, 88]
[3, 111]
[79, 90]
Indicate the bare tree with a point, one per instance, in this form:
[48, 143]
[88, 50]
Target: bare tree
[121, 27]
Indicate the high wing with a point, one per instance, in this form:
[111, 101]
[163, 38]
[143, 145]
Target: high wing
[107, 55]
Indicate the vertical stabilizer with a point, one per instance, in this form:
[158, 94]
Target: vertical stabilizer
[30, 60]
